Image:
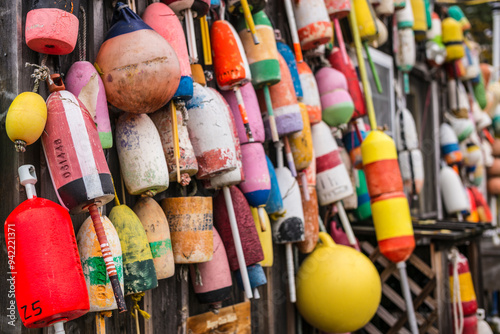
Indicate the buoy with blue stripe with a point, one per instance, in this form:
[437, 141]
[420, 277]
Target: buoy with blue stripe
[449, 145]
[274, 205]
[288, 228]
[70, 138]
[453, 39]
[363, 210]
[289, 58]
[352, 142]
[313, 23]
[264, 63]
[26, 119]
[85, 83]
[211, 280]
[138, 67]
[52, 26]
[142, 161]
[336, 102]
[311, 94]
[46, 274]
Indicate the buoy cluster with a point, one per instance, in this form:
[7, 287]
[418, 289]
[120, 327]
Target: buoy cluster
[283, 136]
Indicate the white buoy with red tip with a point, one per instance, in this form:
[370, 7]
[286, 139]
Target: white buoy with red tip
[313, 23]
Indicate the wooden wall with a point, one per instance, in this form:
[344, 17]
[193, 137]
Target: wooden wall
[269, 314]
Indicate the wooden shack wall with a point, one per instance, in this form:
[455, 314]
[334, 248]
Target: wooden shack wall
[269, 314]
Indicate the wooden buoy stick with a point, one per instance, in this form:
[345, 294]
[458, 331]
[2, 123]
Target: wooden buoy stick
[137, 327]
[293, 31]
[291, 272]
[305, 188]
[191, 37]
[272, 120]
[205, 35]
[289, 157]
[243, 113]
[362, 69]
[100, 323]
[262, 219]
[59, 328]
[346, 224]
[108, 257]
[237, 242]
[175, 133]
[373, 68]
[340, 39]
[412, 320]
[249, 20]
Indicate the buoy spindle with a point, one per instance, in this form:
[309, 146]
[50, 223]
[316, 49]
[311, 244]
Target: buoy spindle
[412, 320]
[346, 225]
[108, 257]
[237, 242]
[249, 20]
[305, 189]
[191, 37]
[293, 31]
[243, 112]
[175, 132]
[289, 157]
[272, 120]
[262, 218]
[291, 272]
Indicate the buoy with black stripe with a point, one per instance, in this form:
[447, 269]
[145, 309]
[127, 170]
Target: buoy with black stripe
[419, 19]
[47, 276]
[78, 168]
[138, 67]
[453, 39]
[52, 26]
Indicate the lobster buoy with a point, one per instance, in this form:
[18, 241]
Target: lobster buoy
[101, 296]
[462, 109]
[419, 19]
[473, 216]
[449, 145]
[199, 7]
[365, 17]
[338, 9]
[139, 272]
[406, 131]
[289, 58]
[470, 62]
[52, 26]
[284, 104]
[456, 13]
[139, 68]
[301, 142]
[47, 275]
[404, 17]
[257, 185]
[143, 164]
[453, 39]
[463, 127]
[188, 165]
[311, 211]
[435, 51]
[352, 142]
[452, 189]
[363, 211]
[235, 6]
[471, 325]
[163, 20]
[385, 8]
[351, 302]
[333, 183]
[155, 224]
[274, 203]
[460, 265]
[390, 211]
[311, 93]
[84, 82]
[191, 225]
[313, 23]
[26, 119]
[336, 102]
[211, 280]
[351, 76]
[382, 36]
[411, 164]
[210, 134]
[406, 54]
[483, 209]
[265, 237]
[253, 112]
[74, 154]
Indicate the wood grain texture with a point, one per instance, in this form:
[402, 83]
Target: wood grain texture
[231, 319]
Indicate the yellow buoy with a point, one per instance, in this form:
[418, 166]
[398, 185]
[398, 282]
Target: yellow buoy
[453, 38]
[338, 288]
[26, 119]
[266, 238]
[301, 142]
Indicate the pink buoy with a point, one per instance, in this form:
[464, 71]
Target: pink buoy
[257, 184]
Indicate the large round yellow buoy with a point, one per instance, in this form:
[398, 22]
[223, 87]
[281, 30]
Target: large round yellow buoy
[26, 119]
[338, 288]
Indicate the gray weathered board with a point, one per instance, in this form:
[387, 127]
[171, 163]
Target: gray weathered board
[269, 314]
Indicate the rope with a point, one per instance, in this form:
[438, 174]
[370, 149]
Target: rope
[458, 315]
[107, 314]
[41, 72]
[136, 298]
[82, 41]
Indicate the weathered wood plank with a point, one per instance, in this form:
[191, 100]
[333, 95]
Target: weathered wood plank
[231, 319]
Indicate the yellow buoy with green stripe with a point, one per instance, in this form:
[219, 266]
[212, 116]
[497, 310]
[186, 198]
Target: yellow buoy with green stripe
[138, 267]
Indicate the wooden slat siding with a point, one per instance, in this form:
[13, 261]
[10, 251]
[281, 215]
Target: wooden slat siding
[442, 295]
[372, 329]
[400, 302]
[421, 265]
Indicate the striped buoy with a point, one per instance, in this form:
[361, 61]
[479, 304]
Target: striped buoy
[311, 94]
[289, 58]
[313, 23]
[449, 145]
[274, 203]
[453, 39]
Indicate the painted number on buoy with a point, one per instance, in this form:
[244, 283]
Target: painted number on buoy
[37, 310]
[61, 158]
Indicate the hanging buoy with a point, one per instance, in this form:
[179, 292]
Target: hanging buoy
[83, 81]
[419, 19]
[456, 13]
[351, 201]
[139, 272]
[301, 142]
[462, 109]
[191, 224]
[163, 20]
[333, 183]
[284, 104]
[473, 216]
[155, 225]
[215, 154]
[452, 189]
[366, 20]
[143, 165]
[47, 275]
[351, 302]
[336, 102]
[390, 210]
[313, 23]
[406, 131]
[211, 280]
[101, 296]
[26, 119]
[411, 164]
[406, 54]
[351, 76]
[265, 237]
[453, 39]
[138, 67]
[449, 145]
[52, 26]
[289, 58]
[435, 51]
[311, 211]
[352, 142]
[483, 209]
[463, 127]
[274, 204]
[187, 161]
[385, 8]
[404, 17]
[382, 36]
[338, 9]
[199, 7]
[311, 94]
[460, 266]
[364, 210]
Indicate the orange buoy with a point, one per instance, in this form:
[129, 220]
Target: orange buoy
[310, 90]
[311, 211]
